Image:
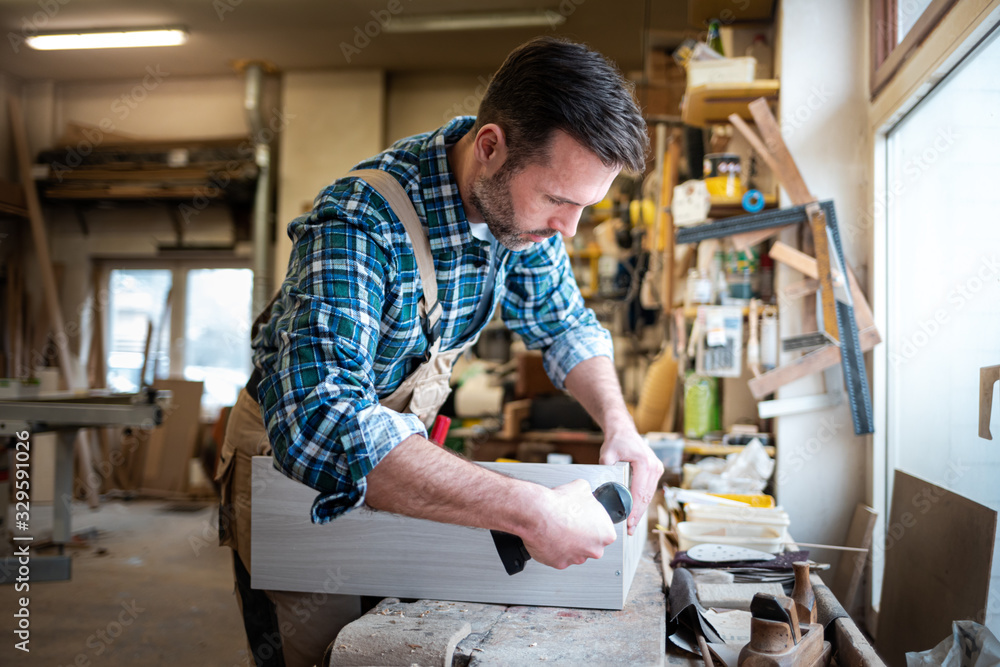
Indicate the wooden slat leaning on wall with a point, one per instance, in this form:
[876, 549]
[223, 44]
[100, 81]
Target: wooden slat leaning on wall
[377, 553]
[170, 447]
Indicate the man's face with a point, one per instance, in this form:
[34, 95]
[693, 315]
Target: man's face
[545, 196]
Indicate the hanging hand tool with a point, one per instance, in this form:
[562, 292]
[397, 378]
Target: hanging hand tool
[614, 497]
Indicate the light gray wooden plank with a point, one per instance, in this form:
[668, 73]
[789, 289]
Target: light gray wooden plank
[377, 553]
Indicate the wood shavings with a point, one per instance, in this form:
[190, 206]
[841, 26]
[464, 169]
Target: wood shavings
[414, 647]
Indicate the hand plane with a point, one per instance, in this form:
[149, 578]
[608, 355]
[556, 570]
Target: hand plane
[615, 498]
[777, 639]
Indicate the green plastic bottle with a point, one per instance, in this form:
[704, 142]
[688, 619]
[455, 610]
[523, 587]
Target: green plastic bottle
[714, 40]
[698, 400]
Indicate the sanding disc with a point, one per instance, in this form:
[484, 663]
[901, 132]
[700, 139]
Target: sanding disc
[724, 553]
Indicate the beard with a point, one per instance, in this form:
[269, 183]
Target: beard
[491, 196]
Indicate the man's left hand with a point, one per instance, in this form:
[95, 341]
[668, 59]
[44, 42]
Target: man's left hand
[627, 445]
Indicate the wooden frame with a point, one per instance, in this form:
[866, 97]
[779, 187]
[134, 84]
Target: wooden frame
[959, 32]
[886, 55]
[382, 554]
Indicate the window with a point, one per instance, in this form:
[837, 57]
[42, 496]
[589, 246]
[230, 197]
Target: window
[898, 27]
[217, 332]
[943, 284]
[137, 301]
[200, 332]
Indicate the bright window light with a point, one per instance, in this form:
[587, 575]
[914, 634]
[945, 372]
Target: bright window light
[108, 40]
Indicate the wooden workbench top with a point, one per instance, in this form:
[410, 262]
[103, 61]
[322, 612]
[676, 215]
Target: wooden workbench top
[513, 635]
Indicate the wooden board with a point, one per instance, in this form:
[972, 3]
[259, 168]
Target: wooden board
[172, 445]
[988, 376]
[938, 554]
[815, 361]
[388, 555]
[851, 566]
[714, 103]
[803, 263]
[785, 169]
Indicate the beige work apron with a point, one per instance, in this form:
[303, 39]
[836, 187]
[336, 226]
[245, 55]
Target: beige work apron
[422, 393]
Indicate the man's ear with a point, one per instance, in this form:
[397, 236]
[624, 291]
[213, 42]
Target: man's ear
[490, 148]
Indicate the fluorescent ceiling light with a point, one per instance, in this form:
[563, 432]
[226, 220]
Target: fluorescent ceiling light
[108, 39]
[477, 21]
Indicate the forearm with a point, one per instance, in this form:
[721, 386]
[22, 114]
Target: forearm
[560, 527]
[420, 479]
[594, 384]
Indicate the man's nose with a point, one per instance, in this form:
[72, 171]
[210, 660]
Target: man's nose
[566, 223]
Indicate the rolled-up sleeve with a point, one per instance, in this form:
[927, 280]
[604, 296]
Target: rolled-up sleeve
[317, 392]
[542, 303]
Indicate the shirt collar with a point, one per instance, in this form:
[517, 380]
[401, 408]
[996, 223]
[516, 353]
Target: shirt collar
[447, 225]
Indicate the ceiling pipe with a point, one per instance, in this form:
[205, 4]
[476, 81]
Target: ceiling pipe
[260, 229]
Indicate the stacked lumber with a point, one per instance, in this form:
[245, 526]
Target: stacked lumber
[90, 164]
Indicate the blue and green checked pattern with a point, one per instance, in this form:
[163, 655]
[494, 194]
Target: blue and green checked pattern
[346, 328]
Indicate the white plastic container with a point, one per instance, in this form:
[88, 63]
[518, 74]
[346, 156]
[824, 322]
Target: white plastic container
[668, 447]
[725, 70]
[762, 538]
[775, 518]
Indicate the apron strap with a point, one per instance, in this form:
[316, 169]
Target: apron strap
[386, 185]
[395, 196]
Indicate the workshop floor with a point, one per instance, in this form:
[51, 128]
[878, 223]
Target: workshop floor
[152, 588]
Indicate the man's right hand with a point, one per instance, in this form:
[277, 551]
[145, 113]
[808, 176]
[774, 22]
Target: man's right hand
[572, 526]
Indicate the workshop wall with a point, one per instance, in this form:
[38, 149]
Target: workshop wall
[822, 467]
[333, 120]
[420, 102]
[155, 106]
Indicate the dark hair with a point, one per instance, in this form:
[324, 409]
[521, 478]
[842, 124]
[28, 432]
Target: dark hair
[552, 84]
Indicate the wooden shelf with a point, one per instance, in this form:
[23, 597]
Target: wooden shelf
[704, 105]
[590, 252]
[697, 448]
[691, 312]
[725, 207]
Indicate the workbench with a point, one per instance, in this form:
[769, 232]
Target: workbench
[464, 634]
[439, 632]
[65, 413]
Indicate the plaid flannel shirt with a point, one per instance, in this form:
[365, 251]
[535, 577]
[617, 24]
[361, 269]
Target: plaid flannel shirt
[346, 330]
